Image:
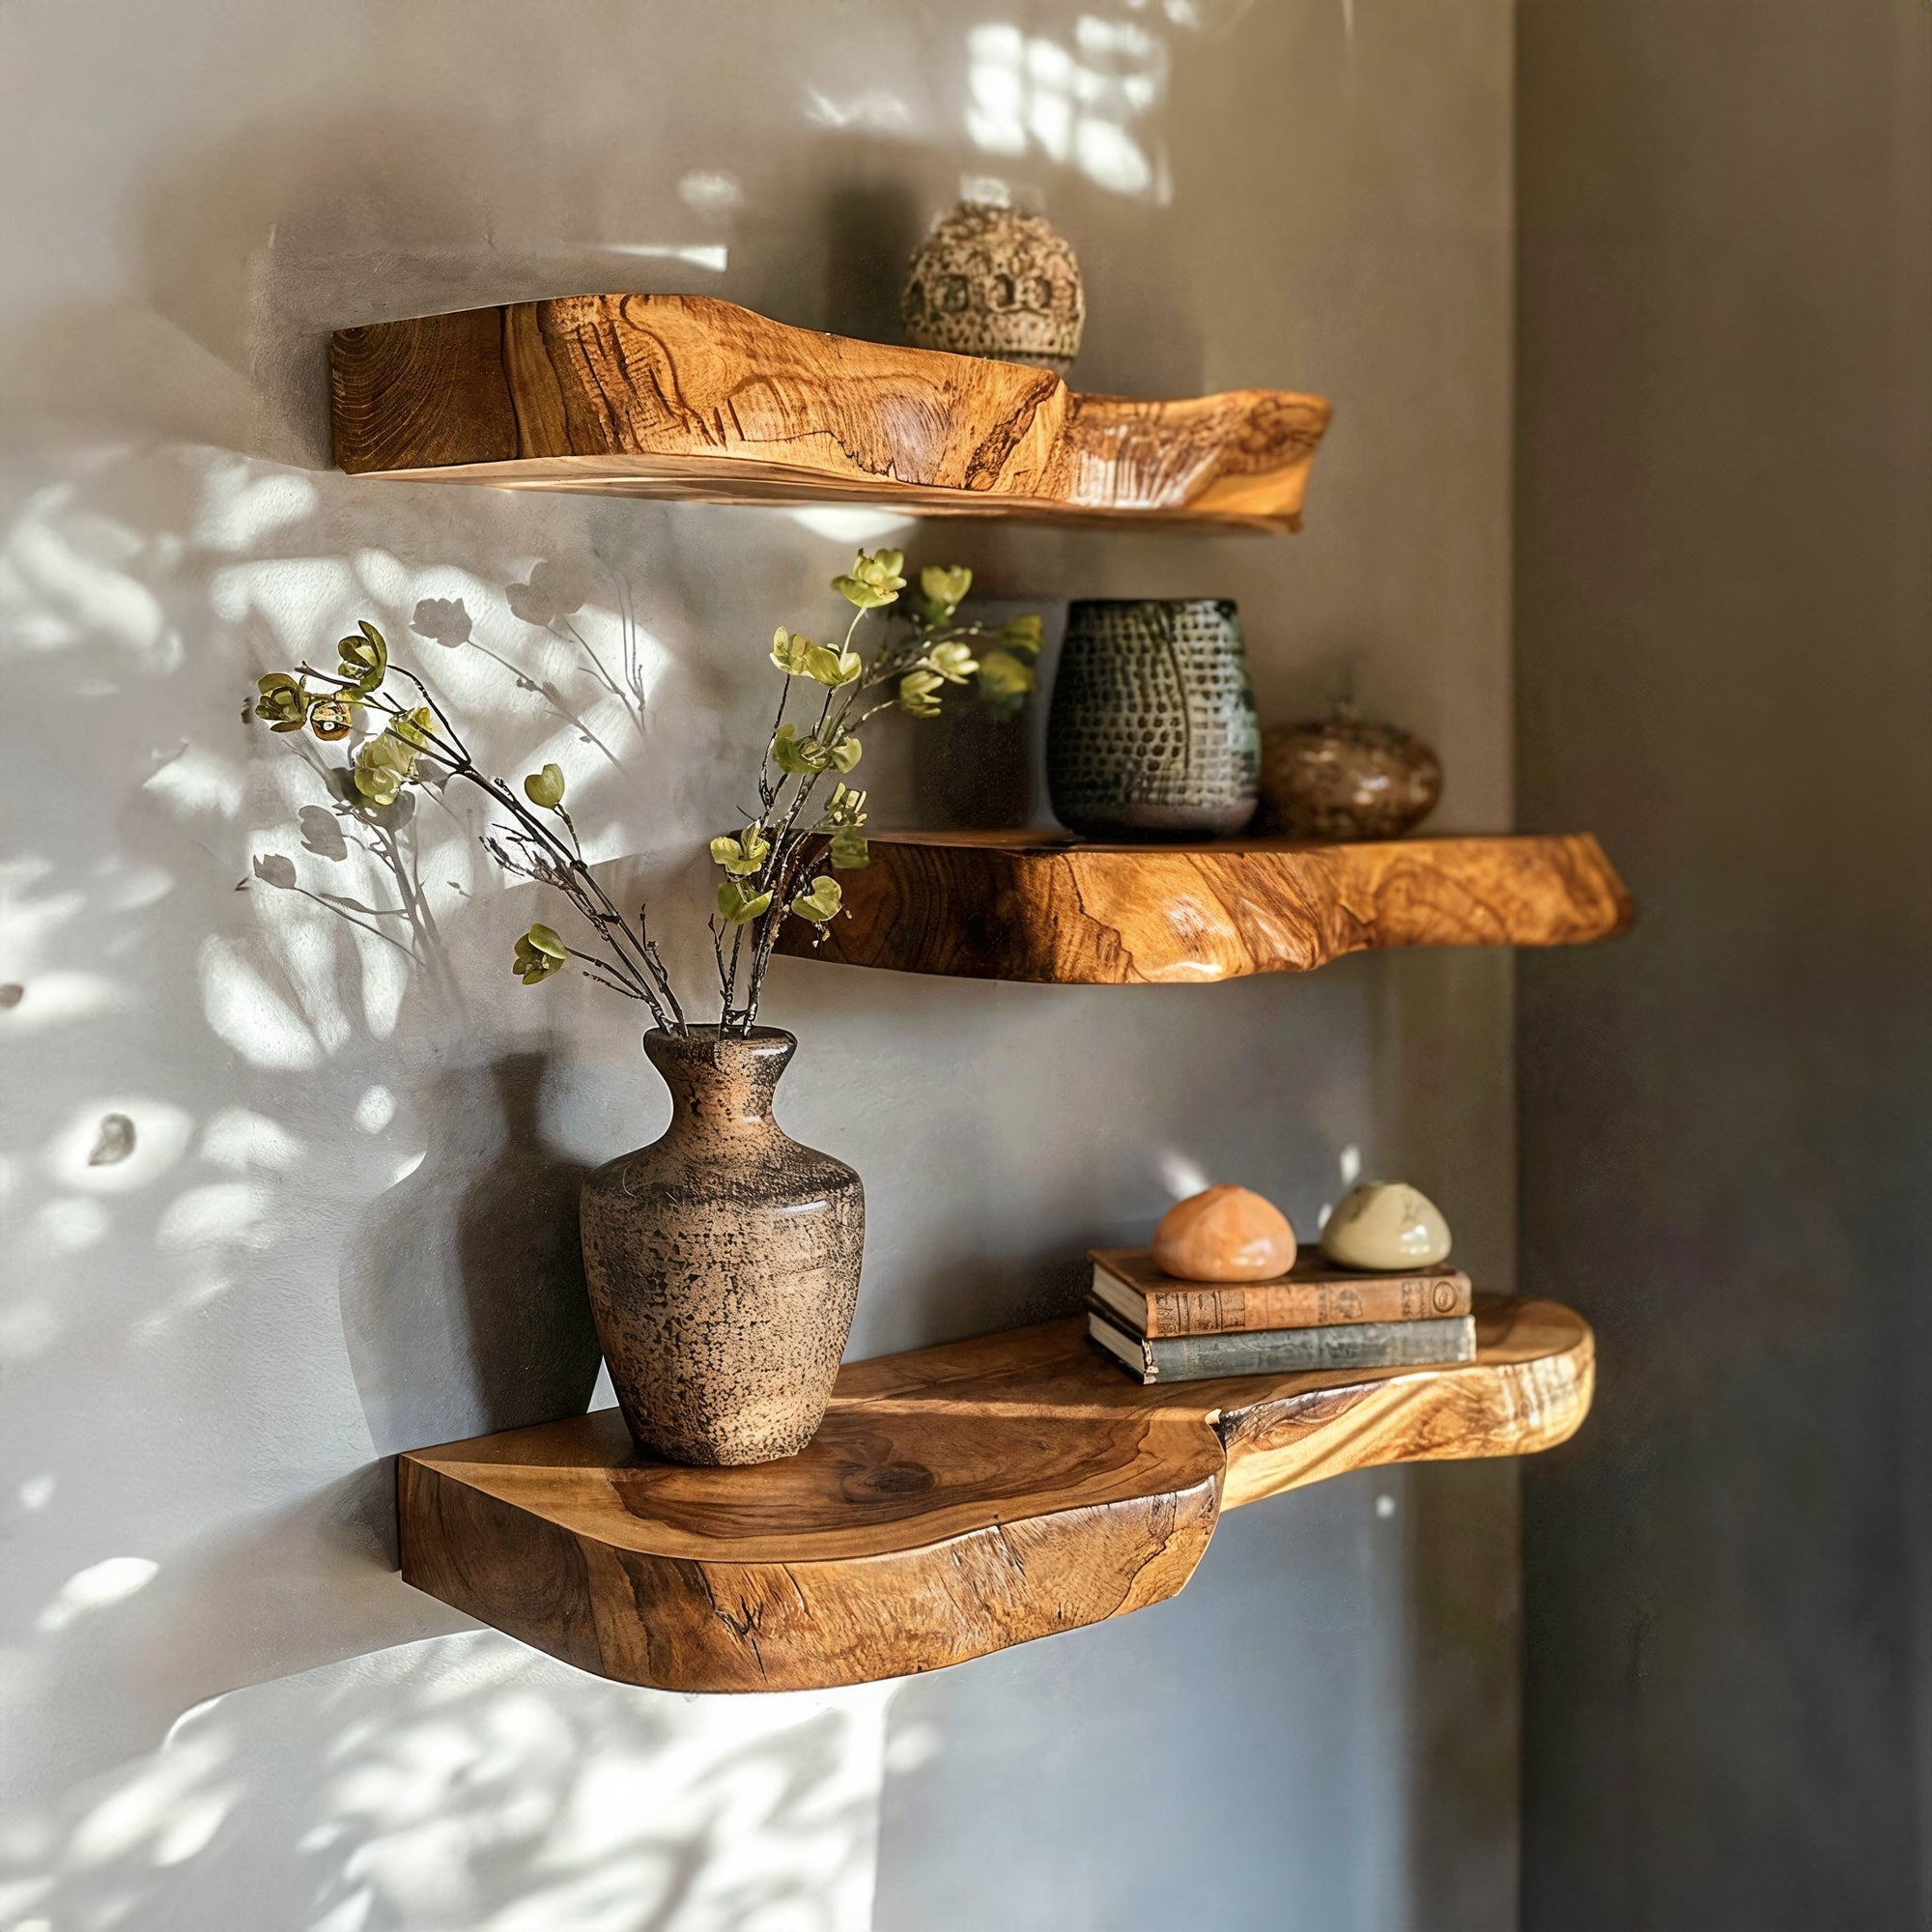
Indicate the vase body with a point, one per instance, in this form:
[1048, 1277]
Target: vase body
[1152, 732]
[722, 1261]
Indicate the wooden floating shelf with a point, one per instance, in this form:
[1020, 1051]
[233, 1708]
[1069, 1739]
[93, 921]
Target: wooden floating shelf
[1043, 906]
[690, 397]
[959, 1500]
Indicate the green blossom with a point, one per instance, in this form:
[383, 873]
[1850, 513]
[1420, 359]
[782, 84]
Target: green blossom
[383, 766]
[743, 855]
[799, 756]
[283, 703]
[735, 907]
[545, 788]
[873, 580]
[1004, 682]
[540, 953]
[955, 663]
[821, 902]
[942, 591]
[1022, 636]
[366, 658]
[916, 692]
[851, 851]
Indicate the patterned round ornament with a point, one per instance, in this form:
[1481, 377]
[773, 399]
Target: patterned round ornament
[991, 281]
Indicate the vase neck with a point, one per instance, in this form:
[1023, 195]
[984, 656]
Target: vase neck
[722, 1084]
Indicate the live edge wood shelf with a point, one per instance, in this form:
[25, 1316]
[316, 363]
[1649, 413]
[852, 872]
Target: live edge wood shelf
[1043, 906]
[688, 396]
[957, 1500]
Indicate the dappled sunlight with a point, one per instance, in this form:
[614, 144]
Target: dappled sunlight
[466, 1785]
[1075, 101]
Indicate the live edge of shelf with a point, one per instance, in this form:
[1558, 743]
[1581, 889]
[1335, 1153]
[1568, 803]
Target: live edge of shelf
[686, 396]
[957, 1500]
[1045, 907]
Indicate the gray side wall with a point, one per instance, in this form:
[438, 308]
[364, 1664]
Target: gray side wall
[1725, 658]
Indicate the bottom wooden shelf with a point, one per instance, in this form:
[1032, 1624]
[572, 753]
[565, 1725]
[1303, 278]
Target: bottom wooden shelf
[957, 1500]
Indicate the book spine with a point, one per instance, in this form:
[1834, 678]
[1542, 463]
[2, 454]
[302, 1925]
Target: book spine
[1357, 1344]
[1305, 1304]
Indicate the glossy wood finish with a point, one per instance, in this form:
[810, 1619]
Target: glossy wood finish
[687, 396]
[957, 1500]
[1045, 907]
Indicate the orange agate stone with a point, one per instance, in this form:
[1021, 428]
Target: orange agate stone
[1226, 1234]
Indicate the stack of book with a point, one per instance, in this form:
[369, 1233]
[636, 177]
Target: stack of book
[1316, 1316]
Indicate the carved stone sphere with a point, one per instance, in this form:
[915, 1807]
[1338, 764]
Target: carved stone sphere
[991, 281]
[1223, 1234]
[1341, 776]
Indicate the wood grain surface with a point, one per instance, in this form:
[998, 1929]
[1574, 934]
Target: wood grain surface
[688, 396]
[958, 1499]
[1043, 906]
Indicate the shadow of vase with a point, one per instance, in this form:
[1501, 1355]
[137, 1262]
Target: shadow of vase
[462, 1298]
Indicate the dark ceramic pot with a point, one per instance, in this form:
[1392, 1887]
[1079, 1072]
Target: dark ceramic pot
[1152, 732]
[722, 1261]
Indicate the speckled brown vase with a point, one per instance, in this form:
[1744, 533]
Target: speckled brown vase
[722, 1261]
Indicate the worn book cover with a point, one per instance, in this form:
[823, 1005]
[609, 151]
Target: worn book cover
[1313, 1295]
[1358, 1345]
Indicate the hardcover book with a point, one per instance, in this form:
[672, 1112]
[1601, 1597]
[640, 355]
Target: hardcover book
[1313, 1295]
[1354, 1345]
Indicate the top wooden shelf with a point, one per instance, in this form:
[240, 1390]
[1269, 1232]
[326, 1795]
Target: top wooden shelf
[686, 396]
[957, 1500]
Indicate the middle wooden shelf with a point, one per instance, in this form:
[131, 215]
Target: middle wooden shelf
[1046, 907]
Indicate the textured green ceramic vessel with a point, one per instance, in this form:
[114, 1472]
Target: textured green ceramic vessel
[1152, 732]
[722, 1261]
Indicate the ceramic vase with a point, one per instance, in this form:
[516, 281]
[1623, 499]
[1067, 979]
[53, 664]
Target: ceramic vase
[722, 1261]
[992, 281]
[1152, 732]
[1343, 777]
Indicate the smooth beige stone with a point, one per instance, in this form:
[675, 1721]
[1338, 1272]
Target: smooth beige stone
[1223, 1234]
[1385, 1225]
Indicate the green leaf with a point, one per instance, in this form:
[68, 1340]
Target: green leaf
[850, 852]
[736, 908]
[545, 940]
[821, 902]
[545, 788]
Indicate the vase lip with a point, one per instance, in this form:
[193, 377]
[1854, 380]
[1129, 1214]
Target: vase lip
[709, 1033]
